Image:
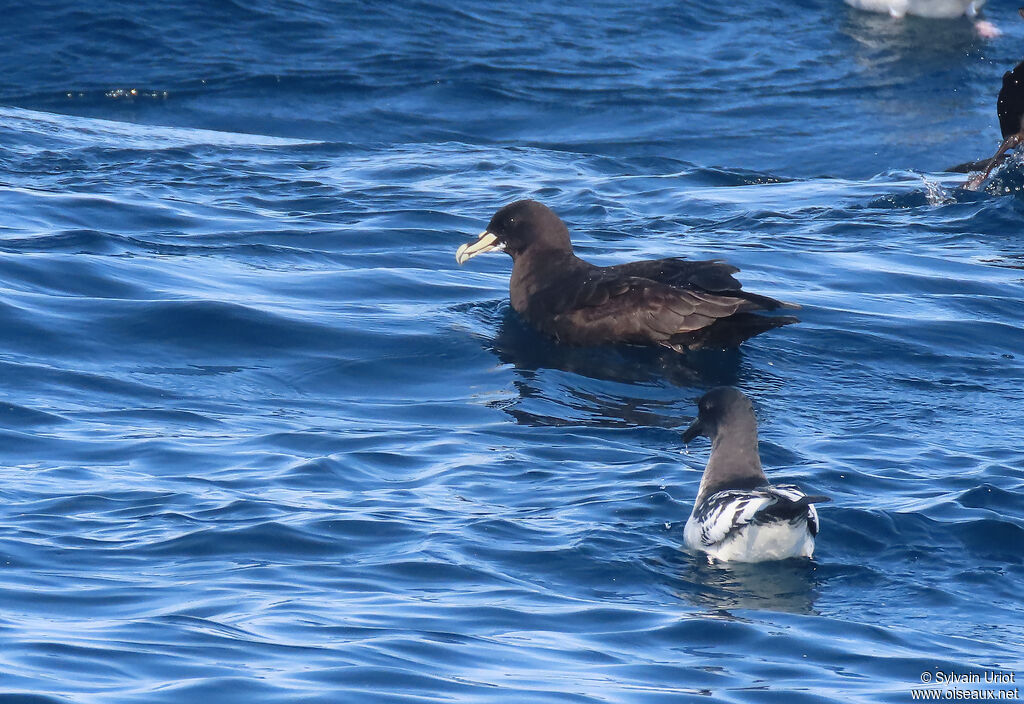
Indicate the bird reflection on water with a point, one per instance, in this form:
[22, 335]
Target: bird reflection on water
[528, 351]
[789, 586]
[654, 381]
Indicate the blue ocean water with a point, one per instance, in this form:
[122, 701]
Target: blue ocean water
[262, 440]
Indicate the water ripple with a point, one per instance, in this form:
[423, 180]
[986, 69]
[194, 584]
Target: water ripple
[262, 438]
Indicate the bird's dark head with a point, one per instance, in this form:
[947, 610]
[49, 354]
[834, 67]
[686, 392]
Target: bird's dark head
[516, 228]
[1010, 104]
[718, 408]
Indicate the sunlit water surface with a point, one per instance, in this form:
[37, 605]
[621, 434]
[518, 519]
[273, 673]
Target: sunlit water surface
[261, 440]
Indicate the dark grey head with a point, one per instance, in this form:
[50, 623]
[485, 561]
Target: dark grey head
[727, 417]
[721, 408]
[518, 227]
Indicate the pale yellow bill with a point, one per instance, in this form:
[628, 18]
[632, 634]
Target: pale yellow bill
[486, 242]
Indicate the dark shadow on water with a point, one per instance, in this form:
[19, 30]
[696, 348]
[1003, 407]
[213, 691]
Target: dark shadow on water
[519, 345]
[618, 385]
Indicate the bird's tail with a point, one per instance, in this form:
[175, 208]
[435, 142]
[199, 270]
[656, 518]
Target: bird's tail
[759, 302]
[728, 332]
[786, 509]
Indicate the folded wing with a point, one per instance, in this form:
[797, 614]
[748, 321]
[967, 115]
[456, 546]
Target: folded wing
[673, 302]
[726, 512]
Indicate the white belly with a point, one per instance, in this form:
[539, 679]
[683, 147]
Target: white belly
[921, 8]
[755, 543]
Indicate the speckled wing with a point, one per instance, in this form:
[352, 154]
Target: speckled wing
[725, 512]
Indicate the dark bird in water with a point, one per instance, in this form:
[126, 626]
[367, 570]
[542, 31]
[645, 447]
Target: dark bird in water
[1010, 107]
[676, 303]
[738, 515]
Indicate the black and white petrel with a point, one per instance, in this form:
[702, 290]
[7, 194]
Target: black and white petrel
[675, 303]
[738, 516]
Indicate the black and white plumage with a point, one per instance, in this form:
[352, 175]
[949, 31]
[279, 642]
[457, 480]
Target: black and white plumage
[767, 523]
[738, 516]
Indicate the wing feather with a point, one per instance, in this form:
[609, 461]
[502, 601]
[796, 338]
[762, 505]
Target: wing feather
[710, 275]
[672, 302]
[725, 512]
[639, 310]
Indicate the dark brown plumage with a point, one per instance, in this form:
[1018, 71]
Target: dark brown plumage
[673, 302]
[1010, 103]
[1010, 108]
